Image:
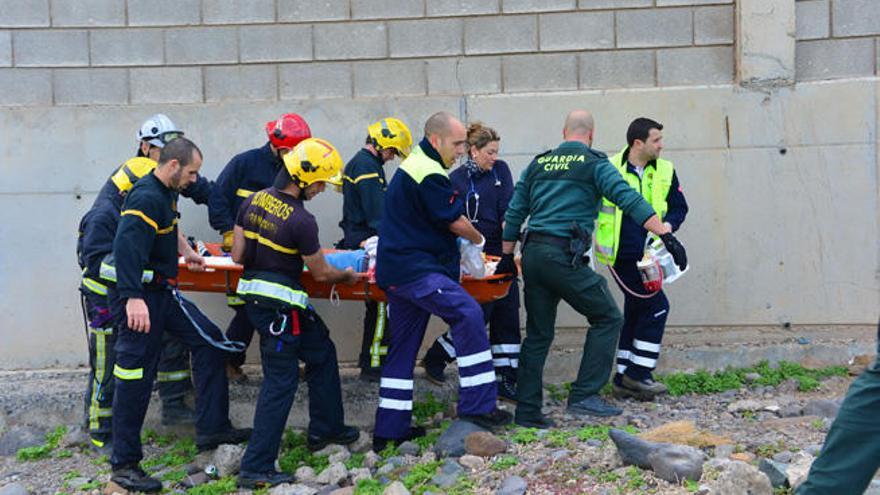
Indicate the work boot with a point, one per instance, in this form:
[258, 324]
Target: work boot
[593, 406]
[643, 390]
[232, 435]
[348, 435]
[176, 412]
[490, 420]
[370, 375]
[379, 443]
[434, 363]
[542, 423]
[235, 374]
[255, 481]
[134, 479]
[507, 387]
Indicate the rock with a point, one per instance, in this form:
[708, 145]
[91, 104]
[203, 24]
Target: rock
[18, 489]
[110, 488]
[512, 485]
[452, 467]
[371, 459]
[633, 450]
[745, 405]
[385, 469]
[305, 474]
[751, 377]
[427, 457]
[396, 488]
[798, 469]
[358, 474]
[594, 442]
[789, 386]
[78, 481]
[775, 471]
[739, 478]
[873, 488]
[676, 463]
[295, 489]
[484, 444]
[783, 457]
[327, 490]
[813, 449]
[822, 408]
[540, 466]
[791, 410]
[347, 490]
[331, 449]
[471, 462]
[685, 433]
[333, 475]
[196, 479]
[444, 480]
[724, 451]
[396, 461]
[409, 448]
[76, 436]
[19, 438]
[746, 457]
[339, 457]
[558, 455]
[363, 444]
[227, 458]
[451, 442]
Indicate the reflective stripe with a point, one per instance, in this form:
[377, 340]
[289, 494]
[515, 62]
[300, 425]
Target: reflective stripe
[273, 290]
[100, 371]
[606, 208]
[174, 376]
[361, 177]
[396, 383]
[477, 380]
[97, 442]
[124, 374]
[500, 363]
[234, 300]
[243, 193]
[105, 412]
[623, 354]
[506, 348]
[143, 216]
[621, 368]
[646, 346]
[94, 286]
[108, 272]
[447, 346]
[643, 361]
[659, 313]
[472, 359]
[101, 331]
[249, 234]
[397, 405]
[377, 350]
[514, 363]
[169, 229]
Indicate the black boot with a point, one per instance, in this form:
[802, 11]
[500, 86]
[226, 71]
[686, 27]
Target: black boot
[379, 443]
[232, 435]
[507, 385]
[490, 420]
[434, 363]
[348, 435]
[176, 412]
[254, 481]
[134, 479]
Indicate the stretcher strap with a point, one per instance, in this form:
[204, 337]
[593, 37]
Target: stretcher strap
[224, 345]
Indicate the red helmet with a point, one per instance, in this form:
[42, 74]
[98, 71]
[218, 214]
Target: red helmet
[288, 131]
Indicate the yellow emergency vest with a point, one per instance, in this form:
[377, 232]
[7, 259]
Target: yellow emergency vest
[654, 187]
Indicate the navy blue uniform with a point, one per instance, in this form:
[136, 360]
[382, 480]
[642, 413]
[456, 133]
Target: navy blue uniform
[363, 199]
[147, 240]
[644, 320]
[278, 232]
[97, 230]
[486, 195]
[246, 173]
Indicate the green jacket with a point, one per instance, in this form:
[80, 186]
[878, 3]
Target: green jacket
[566, 185]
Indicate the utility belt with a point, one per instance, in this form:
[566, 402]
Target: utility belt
[576, 245]
[278, 292]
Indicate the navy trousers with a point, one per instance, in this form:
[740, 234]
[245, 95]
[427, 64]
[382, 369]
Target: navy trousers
[240, 328]
[410, 306]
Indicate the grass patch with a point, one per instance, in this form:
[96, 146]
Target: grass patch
[219, 487]
[504, 463]
[295, 453]
[355, 461]
[150, 436]
[174, 476]
[464, 486]
[771, 449]
[104, 459]
[42, 451]
[420, 474]
[558, 393]
[91, 485]
[369, 487]
[603, 476]
[704, 382]
[600, 432]
[559, 438]
[634, 479]
[390, 450]
[425, 409]
[428, 441]
[691, 486]
[63, 454]
[524, 435]
[182, 452]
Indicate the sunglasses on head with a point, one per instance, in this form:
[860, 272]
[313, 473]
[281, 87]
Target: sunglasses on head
[167, 137]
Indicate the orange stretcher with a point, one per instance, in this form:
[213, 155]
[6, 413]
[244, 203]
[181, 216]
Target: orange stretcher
[223, 274]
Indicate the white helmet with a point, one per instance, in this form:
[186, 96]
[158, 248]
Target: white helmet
[158, 130]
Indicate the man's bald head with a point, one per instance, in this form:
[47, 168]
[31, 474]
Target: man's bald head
[439, 124]
[578, 123]
[447, 135]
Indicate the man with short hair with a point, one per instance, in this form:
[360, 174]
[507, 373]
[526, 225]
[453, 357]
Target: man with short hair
[418, 268]
[148, 240]
[559, 193]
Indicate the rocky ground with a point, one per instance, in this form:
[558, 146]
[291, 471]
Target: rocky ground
[756, 439]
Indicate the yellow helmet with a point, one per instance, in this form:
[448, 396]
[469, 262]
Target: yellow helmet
[391, 133]
[314, 160]
[132, 170]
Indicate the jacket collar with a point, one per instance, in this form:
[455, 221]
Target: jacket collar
[430, 151]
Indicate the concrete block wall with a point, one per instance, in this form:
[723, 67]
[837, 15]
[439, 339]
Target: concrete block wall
[837, 39]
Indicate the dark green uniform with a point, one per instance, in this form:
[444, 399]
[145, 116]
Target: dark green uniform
[559, 189]
[851, 454]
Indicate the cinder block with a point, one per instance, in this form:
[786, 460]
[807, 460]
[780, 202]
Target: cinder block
[312, 10]
[713, 25]
[529, 6]
[241, 82]
[280, 42]
[130, 46]
[539, 72]
[668, 3]
[201, 45]
[163, 12]
[398, 78]
[387, 9]
[24, 13]
[315, 80]
[855, 17]
[238, 11]
[25, 87]
[342, 41]
[832, 59]
[687, 66]
[429, 37]
[576, 31]
[617, 69]
[461, 7]
[765, 42]
[508, 34]
[88, 13]
[5, 48]
[91, 86]
[41, 48]
[166, 85]
[812, 18]
[654, 28]
[613, 4]
[464, 75]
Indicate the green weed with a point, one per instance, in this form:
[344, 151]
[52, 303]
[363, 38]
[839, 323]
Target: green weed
[420, 474]
[524, 435]
[559, 438]
[295, 453]
[219, 487]
[504, 463]
[355, 461]
[369, 487]
[424, 410]
[704, 382]
[42, 451]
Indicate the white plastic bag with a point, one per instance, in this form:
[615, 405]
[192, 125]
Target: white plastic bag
[472, 258]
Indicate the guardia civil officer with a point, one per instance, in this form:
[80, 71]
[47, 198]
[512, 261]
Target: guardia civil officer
[486, 185]
[96, 232]
[148, 240]
[363, 191]
[418, 267]
[246, 173]
[560, 192]
[620, 242]
[274, 237]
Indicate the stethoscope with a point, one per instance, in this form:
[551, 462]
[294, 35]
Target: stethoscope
[472, 192]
